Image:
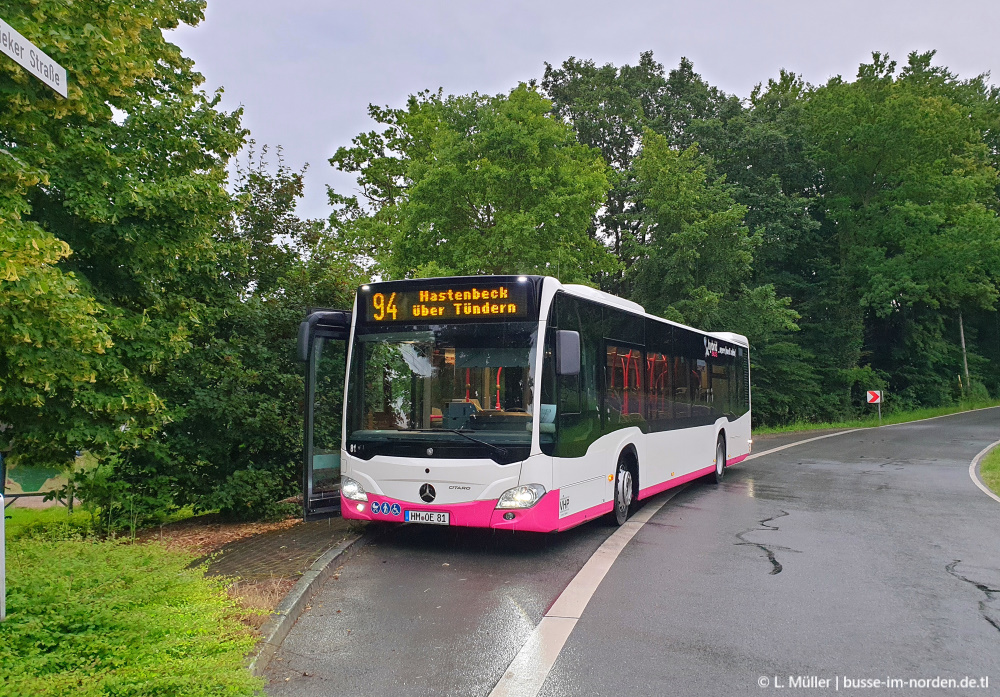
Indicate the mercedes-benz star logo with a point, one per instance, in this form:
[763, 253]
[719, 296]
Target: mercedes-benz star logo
[427, 493]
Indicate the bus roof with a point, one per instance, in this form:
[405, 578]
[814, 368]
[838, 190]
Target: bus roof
[602, 297]
[608, 299]
[581, 291]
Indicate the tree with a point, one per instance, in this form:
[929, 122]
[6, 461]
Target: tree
[610, 108]
[117, 189]
[236, 440]
[473, 184]
[762, 153]
[697, 261]
[697, 245]
[909, 206]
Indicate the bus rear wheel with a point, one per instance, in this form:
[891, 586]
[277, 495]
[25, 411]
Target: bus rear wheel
[720, 461]
[624, 490]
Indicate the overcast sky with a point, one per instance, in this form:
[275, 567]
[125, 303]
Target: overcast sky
[305, 70]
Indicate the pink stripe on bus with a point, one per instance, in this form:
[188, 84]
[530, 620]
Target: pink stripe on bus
[671, 483]
[542, 517]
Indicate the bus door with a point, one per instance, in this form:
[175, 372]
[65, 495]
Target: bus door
[322, 346]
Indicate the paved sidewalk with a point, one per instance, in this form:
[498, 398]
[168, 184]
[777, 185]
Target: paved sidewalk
[286, 553]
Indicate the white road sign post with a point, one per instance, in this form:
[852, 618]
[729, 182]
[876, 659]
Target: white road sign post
[3, 563]
[32, 58]
[875, 397]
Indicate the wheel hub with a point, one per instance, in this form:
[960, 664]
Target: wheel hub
[624, 489]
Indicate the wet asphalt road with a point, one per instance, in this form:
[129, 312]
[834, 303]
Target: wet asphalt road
[869, 555]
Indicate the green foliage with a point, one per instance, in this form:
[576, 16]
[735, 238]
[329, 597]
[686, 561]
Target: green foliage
[238, 395]
[52, 523]
[693, 248]
[909, 219]
[989, 470]
[610, 108]
[250, 495]
[891, 414]
[97, 618]
[108, 257]
[863, 212]
[149, 315]
[471, 185]
[117, 504]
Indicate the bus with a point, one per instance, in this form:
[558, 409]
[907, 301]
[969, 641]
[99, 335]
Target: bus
[512, 402]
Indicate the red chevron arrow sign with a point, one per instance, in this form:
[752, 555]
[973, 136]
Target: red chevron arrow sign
[874, 396]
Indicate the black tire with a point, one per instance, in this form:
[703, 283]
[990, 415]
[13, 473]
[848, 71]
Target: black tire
[720, 462]
[624, 490]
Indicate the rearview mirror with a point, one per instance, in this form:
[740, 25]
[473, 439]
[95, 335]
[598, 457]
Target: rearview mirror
[567, 352]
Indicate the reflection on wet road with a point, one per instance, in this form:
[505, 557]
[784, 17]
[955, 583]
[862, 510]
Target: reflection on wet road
[866, 554]
[429, 611]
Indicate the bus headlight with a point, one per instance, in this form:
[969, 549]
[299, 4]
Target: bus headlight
[524, 496]
[352, 490]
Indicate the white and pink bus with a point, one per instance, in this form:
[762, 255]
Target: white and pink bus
[514, 402]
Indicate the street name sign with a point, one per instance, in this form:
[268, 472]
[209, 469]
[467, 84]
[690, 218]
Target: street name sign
[874, 396]
[32, 58]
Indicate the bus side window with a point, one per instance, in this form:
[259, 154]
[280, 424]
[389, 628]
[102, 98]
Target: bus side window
[682, 386]
[700, 390]
[658, 391]
[722, 402]
[579, 418]
[626, 385]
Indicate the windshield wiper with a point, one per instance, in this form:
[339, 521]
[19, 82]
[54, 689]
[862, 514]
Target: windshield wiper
[502, 452]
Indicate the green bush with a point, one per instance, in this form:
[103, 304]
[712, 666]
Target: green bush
[250, 495]
[90, 617]
[119, 500]
[977, 392]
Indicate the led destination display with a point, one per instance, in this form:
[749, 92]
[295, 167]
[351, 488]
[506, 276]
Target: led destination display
[483, 302]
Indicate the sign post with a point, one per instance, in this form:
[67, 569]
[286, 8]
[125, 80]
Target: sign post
[32, 58]
[3, 563]
[875, 397]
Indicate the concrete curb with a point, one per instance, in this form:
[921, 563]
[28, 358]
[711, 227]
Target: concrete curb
[277, 626]
[974, 470]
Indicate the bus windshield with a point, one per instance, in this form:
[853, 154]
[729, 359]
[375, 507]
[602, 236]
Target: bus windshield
[448, 390]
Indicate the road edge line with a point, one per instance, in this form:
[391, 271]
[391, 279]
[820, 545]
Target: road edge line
[931, 418]
[974, 470]
[526, 674]
[874, 427]
[762, 453]
[862, 428]
[277, 626]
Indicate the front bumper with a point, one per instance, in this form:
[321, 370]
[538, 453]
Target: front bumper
[542, 517]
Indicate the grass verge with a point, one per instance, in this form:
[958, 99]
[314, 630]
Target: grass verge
[898, 417]
[104, 617]
[989, 470]
[54, 521]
